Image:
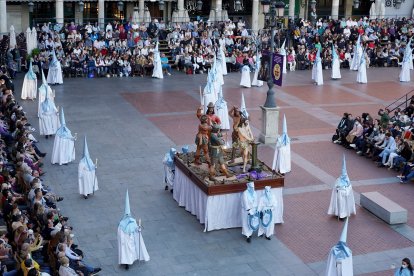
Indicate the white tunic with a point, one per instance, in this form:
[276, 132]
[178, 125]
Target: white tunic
[48, 122]
[131, 247]
[54, 76]
[63, 150]
[362, 73]
[281, 159]
[342, 202]
[267, 204]
[247, 203]
[29, 89]
[317, 74]
[255, 81]
[336, 71]
[223, 62]
[157, 71]
[339, 267]
[405, 74]
[245, 76]
[88, 182]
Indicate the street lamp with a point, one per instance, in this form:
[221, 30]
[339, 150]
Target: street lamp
[120, 5]
[237, 5]
[274, 10]
[31, 6]
[81, 6]
[199, 5]
[161, 5]
[313, 4]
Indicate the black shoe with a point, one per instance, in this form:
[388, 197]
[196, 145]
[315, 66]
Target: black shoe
[59, 199]
[85, 197]
[248, 240]
[95, 271]
[47, 136]
[126, 267]
[171, 191]
[166, 188]
[65, 218]
[268, 238]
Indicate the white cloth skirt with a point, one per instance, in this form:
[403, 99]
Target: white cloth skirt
[281, 159]
[245, 77]
[63, 150]
[157, 71]
[362, 74]
[317, 75]
[55, 75]
[131, 247]
[255, 81]
[48, 124]
[355, 63]
[87, 180]
[405, 74]
[336, 71]
[342, 202]
[29, 89]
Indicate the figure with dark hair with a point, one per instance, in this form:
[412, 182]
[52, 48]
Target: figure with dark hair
[406, 268]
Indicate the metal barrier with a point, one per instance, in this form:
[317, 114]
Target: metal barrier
[400, 102]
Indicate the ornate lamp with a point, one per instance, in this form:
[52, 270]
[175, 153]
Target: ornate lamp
[237, 5]
[81, 6]
[199, 5]
[120, 5]
[313, 4]
[266, 6]
[356, 4]
[280, 8]
[161, 5]
[31, 6]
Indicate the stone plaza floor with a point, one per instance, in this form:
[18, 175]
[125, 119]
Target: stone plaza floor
[131, 123]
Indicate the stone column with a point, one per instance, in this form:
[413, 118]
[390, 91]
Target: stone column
[335, 9]
[59, 11]
[101, 14]
[169, 11]
[219, 8]
[255, 16]
[348, 8]
[3, 17]
[292, 9]
[141, 10]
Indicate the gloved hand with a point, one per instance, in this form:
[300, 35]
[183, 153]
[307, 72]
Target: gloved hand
[251, 212]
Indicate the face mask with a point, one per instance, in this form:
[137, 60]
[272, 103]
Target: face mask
[375, 129]
[404, 266]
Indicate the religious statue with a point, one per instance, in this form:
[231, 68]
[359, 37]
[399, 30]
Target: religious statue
[234, 113]
[216, 152]
[202, 140]
[212, 117]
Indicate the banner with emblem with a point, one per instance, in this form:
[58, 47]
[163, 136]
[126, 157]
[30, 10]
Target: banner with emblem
[277, 67]
[263, 74]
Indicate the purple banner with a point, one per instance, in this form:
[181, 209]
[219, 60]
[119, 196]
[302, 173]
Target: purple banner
[277, 68]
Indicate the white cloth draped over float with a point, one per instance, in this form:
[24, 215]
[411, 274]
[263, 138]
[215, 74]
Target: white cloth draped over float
[362, 70]
[340, 257]
[255, 81]
[54, 76]
[29, 88]
[216, 211]
[245, 77]
[281, 158]
[342, 202]
[336, 65]
[131, 246]
[43, 90]
[317, 74]
[157, 71]
[87, 180]
[64, 145]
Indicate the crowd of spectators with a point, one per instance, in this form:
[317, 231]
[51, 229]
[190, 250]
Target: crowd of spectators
[35, 238]
[388, 139]
[127, 49]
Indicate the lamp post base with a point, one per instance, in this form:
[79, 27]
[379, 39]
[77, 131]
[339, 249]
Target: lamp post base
[270, 125]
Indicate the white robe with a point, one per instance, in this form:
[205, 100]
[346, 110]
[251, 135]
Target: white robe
[362, 73]
[342, 202]
[245, 76]
[223, 62]
[29, 89]
[247, 204]
[54, 76]
[255, 81]
[48, 122]
[339, 268]
[281, 159]
[405, 74]
[63, 150]
[157, 71]
[284, 64]
[266, 204]
[87, 180]
[336, 71]
[168, 173]
[131, 247]
[223, 114]
[317, 74]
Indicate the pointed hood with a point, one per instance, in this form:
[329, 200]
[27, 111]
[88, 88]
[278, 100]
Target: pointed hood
[54, 59]
[30, 74]
[283, 139]
[63, 131]
[220, 103]
[43, 78]
[48, 105]
[282, 48]
[343, 180]
[243, 107]
[341, 250]
[358, 43]
[86, 159]
[128, 224]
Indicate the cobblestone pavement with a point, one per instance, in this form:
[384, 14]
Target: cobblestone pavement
[130, 124]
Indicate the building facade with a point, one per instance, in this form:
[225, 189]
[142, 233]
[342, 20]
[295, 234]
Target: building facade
[16, 12]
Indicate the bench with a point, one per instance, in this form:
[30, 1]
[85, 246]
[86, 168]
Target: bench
[383, 207]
